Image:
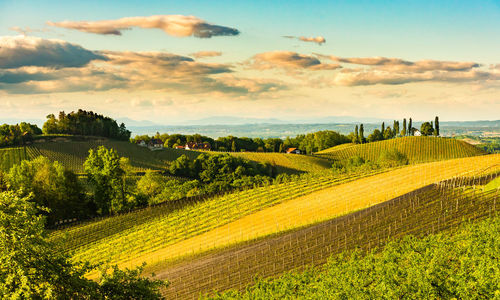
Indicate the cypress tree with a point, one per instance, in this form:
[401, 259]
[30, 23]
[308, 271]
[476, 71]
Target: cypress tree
[383, 128]
[436, 126]
[403, 132]
[355, 139]
[361, 132]
[410, 128]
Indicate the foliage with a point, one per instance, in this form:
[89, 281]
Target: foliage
[426, 129]
[18, 134]
[392, 158]
[85, 123]
[107, 176]
[52, 186]
[31, 269]
[441, 266]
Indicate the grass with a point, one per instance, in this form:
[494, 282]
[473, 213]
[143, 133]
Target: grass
[288, 163]
[229, 219]
[72, 153]
[418, 149]
[433, 209]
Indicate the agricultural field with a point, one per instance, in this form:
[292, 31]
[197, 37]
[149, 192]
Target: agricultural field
[72, 153]
[152, 236]
[14, 155]
[432, 209]
[288, 163]
[418, 149]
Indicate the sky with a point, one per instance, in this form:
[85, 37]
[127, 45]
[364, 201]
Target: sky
[171, 61]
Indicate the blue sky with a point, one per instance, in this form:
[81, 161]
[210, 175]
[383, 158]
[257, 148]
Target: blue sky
[441, 31]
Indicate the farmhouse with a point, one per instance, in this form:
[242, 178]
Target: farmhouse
[142, 143]
[155, 144]
[417, 133]
[198, 146]
[292, 151]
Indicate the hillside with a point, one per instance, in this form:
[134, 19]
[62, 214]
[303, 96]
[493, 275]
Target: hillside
[288, 163]
[428, 210]
[220, 221]
[71, 151]
[417, 148]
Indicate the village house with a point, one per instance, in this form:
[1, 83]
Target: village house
[417, 133]
[141, 143]
[292, 151]
[198, 146]
[155, 144]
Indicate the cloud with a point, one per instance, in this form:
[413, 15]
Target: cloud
[289, 60]
[397, 64]
[318, 40]
[175, 25]
[20, 51]
[202, 54]
[371, 77]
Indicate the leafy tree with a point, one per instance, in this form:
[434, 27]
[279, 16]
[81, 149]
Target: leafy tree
[150, 187]
[426, 129]
[233, 146]
[436, 126]
[31, 269]
[388, 133]
[52, 186]
[403, 132]
[107, 178]
[181, 166]
[375, 136]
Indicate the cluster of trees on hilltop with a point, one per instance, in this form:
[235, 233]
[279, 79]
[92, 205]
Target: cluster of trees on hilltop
[11, 135]
[385, 133]
[85, 123]
[307, 143]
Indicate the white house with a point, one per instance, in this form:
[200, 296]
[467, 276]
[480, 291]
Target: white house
[142, 143]
[417, 133]
[155, 144]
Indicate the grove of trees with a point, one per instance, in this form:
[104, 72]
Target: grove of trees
[19, 134]
[85, 123]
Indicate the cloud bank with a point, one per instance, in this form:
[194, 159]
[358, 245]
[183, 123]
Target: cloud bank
[289, 60]
[21, 51]
[203, 54]
[175, 25]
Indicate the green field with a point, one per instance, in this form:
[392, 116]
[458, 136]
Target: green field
[288, 163]
[418, 149]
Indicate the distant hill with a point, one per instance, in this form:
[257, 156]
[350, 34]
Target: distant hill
[416, 148]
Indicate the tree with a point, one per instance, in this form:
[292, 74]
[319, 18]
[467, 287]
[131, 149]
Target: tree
[107, 180]
[233, 146]
[436, 125]
[388, 134]
[355, 137]
[52, 186]
[31, 269]
[426, 129]
[403, 132]
[375, 136]
[410, 127]
[383, 128]
[396, 128]
[361, 134]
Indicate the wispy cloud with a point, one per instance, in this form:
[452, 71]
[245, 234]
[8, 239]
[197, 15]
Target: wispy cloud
[289, 60]
[21, 51]
[318, 40]
[203, 54]
[175, 25]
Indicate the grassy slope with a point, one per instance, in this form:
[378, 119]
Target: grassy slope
[288, 163]
[417, 149]
[432, 209]
[194, 229]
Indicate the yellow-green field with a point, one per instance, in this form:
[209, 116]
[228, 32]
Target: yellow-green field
[242, 216]
[288, 163]
[417, 148]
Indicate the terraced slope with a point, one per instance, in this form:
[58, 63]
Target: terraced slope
[417, 148]
[431, 209]
[325, 204]
[288, 163]
[140, 233]
[72, 154]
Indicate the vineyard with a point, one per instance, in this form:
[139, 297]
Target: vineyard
[288, 163]
[12, 156]
[428, 210]
[164, 233]
[418, 149]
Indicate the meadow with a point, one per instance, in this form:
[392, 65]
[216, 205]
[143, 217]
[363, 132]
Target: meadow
[418, 149]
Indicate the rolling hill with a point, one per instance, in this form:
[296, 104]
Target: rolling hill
[288, 163]
[418, 149]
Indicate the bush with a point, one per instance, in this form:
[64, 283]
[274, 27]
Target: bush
[392, 158]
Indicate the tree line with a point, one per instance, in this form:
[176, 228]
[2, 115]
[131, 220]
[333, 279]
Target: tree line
[19, 134]
[85, 123]
[386, 133]
[307, 143]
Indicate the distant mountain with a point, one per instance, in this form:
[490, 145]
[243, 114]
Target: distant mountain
[134, 123]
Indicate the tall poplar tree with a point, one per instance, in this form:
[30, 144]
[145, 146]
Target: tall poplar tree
[355, 138]
[410, 128]
[361, 133]
[403, 132]
[436, 126]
